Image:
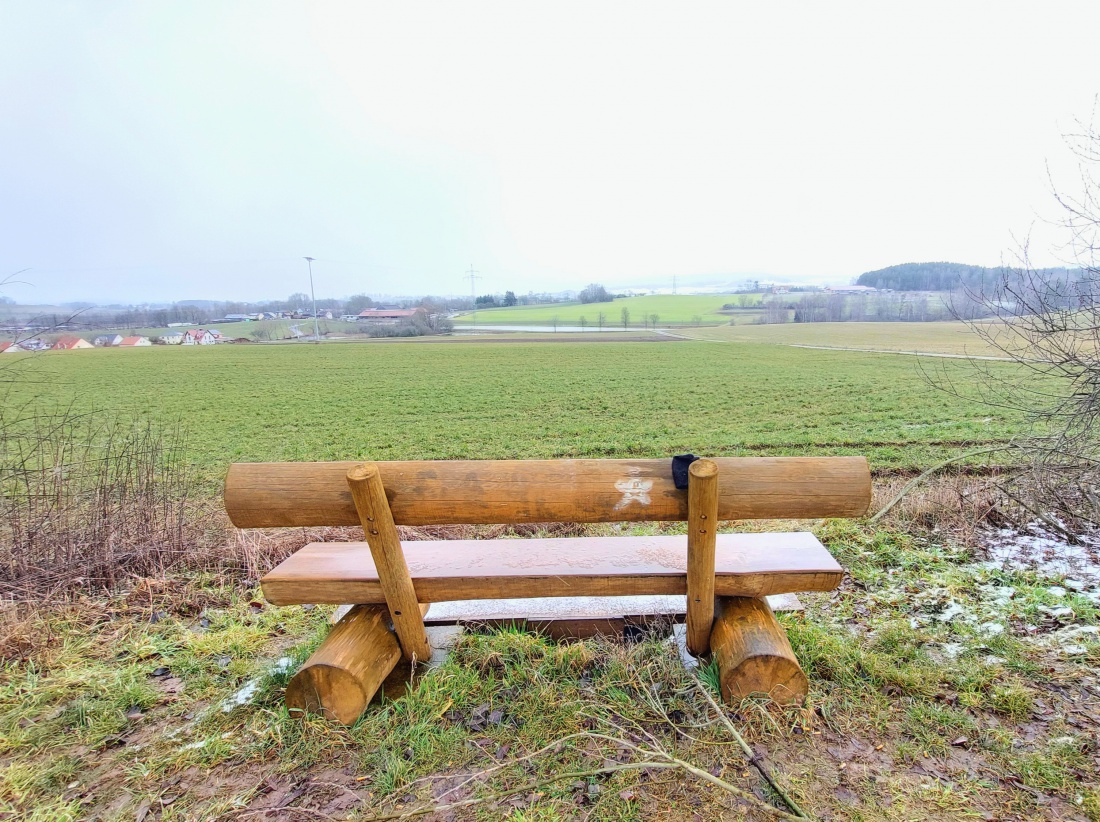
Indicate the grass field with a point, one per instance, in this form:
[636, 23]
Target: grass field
[670, 308]
[940, 337]
[483, 400]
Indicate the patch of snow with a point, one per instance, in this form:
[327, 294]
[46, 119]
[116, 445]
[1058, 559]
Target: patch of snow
[282, 665]
[1070, 641]
[951, 650]
[1061, 612]
[952, 611]
[1056, 591]
[242, 697]
[194, 746]
[993, 660]
[1000, 594]
[1046, 554]
[991, 629]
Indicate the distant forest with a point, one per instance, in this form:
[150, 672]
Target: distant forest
[945, 276]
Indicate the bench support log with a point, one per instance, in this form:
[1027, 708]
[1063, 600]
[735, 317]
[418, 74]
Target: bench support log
[754, 654]
[702, 533]
[342, 676]
[389, 559]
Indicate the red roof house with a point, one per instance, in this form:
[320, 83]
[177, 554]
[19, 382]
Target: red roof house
[71, 343]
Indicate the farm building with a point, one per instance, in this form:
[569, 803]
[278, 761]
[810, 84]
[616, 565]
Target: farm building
[134, 342]
[175, 338]
[71, 344]
[9, 348]
[107, 340]
[383, 315]
[850, 289]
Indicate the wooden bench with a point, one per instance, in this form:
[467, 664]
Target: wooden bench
[724, 576]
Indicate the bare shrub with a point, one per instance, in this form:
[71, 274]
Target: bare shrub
[1047, 323]
[88, 502]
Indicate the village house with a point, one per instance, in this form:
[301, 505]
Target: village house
[175, 338]
[134, 342]
[107, 340]
[199, 336]
[71, 344]
[9, 348]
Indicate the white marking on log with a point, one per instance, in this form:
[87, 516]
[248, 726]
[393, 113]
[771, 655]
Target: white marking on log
[633, 490]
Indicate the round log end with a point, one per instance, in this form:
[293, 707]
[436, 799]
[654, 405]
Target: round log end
[753, 653]
[703, 469]
[363, 471]
[778, 677]
[328, 690]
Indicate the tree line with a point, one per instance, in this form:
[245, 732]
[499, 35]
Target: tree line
[947, 276]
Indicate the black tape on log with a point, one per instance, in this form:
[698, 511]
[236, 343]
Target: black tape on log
[680, 464]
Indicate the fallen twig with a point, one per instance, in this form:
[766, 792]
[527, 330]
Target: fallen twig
[754, 760]
[662, 760]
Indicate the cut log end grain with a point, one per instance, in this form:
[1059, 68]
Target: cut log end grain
[753, 653]
[341, 677]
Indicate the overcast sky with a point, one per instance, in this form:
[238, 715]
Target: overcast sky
[170, 150]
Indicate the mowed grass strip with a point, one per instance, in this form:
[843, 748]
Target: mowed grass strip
[540, 400]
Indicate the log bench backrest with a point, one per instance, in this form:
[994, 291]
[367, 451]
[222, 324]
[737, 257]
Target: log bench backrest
[483, 492]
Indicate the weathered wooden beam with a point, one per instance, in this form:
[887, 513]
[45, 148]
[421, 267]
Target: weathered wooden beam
[745, 565]
[389, 560]
[754, 654]
[702, 532]
[268, 495]
[341, 677]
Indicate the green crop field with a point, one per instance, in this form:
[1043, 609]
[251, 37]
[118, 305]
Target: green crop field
[939, 338]
[490, 400]
[670, 308]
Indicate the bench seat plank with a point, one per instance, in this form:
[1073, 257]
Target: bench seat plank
[745, 565]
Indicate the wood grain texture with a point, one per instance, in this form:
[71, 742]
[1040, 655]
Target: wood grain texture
[369, 496]
[343, 674]
[745, 565]
[268, 495]
[702, 530]
[754, 654]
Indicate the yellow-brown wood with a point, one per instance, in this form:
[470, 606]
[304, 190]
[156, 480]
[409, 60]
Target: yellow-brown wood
[702, 530]
[753, 653]
[266, 495]
[341, 677]
[745, 565]
[389, 560]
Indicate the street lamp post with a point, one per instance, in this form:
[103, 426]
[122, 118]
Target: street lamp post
[313, 296]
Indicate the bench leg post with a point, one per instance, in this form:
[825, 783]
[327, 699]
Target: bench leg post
[341, 677]
[702, 531]
[366, 487]
[754, 654]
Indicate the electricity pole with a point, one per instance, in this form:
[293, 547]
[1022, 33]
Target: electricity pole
[316, 332]
[473, 277]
